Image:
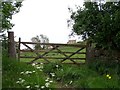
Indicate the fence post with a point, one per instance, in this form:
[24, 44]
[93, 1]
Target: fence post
[87, 53]
[19, 49]
[11, 45]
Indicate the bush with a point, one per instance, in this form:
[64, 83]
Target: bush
[104, 66]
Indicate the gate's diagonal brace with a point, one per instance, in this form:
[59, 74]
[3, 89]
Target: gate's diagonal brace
[42, 56]
[30, 48]
[72, 54]
[35, 52]
[65, 55]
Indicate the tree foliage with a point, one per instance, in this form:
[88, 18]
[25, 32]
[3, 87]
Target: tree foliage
[40, 39]
[98, 22]
[9, 9]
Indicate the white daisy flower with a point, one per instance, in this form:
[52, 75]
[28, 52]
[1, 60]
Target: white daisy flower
[53, 74]
[50, 81]
[47, 84]
[41, 70]
[47, 79]
[37, 86]
[20, 78]
[22, 81]
[18, 82]
[22, 73]
[27, 86]
[42, 86]
[38, 67]
[33, 64]
[41, 63]
[57, 66]
[33, 71]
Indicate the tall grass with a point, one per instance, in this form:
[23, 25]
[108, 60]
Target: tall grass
[20, 75]
[81, 76]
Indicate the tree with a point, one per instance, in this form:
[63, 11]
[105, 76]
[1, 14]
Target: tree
[7, 9]
[44, 39]
[99, 23]
[40, 39]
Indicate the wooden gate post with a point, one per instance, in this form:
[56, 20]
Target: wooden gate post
[19, 49]
[11, 45]
[89, 53]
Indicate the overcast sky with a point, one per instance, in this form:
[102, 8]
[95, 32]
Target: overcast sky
[48, 17]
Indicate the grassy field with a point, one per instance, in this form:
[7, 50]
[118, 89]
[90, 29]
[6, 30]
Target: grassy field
[54, 53]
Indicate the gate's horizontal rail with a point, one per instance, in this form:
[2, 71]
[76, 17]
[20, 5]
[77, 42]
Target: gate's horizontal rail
[57, 44]
[51, 51]
[51, 57]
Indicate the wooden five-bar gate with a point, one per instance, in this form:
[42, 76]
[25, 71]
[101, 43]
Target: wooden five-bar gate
[55, 48]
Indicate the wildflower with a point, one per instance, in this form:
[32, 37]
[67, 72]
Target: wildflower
[33, 71]
[50, 81]
[22, 73]
[70, 82]
[47, 79]
[37, 86]
[42, 86]
[18, 82]
[22, 81]
[109, 77]
[38, 67]
[56, 66]
[20, 78]
[28, 72]
[33, 64]
[41, 67]
[41, 63]
[47, 84]
[53, 74]
[61, 69]
[27, 86]
[66, 85]
[41, 70]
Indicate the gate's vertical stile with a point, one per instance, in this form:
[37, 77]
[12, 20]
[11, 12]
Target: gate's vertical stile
[19, 49]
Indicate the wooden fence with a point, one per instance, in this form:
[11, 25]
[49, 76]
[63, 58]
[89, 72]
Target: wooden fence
[56, 48]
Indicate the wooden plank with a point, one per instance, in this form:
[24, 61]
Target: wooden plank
[52, 57]
[63, 63]
[52, 51]
[57, 44]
